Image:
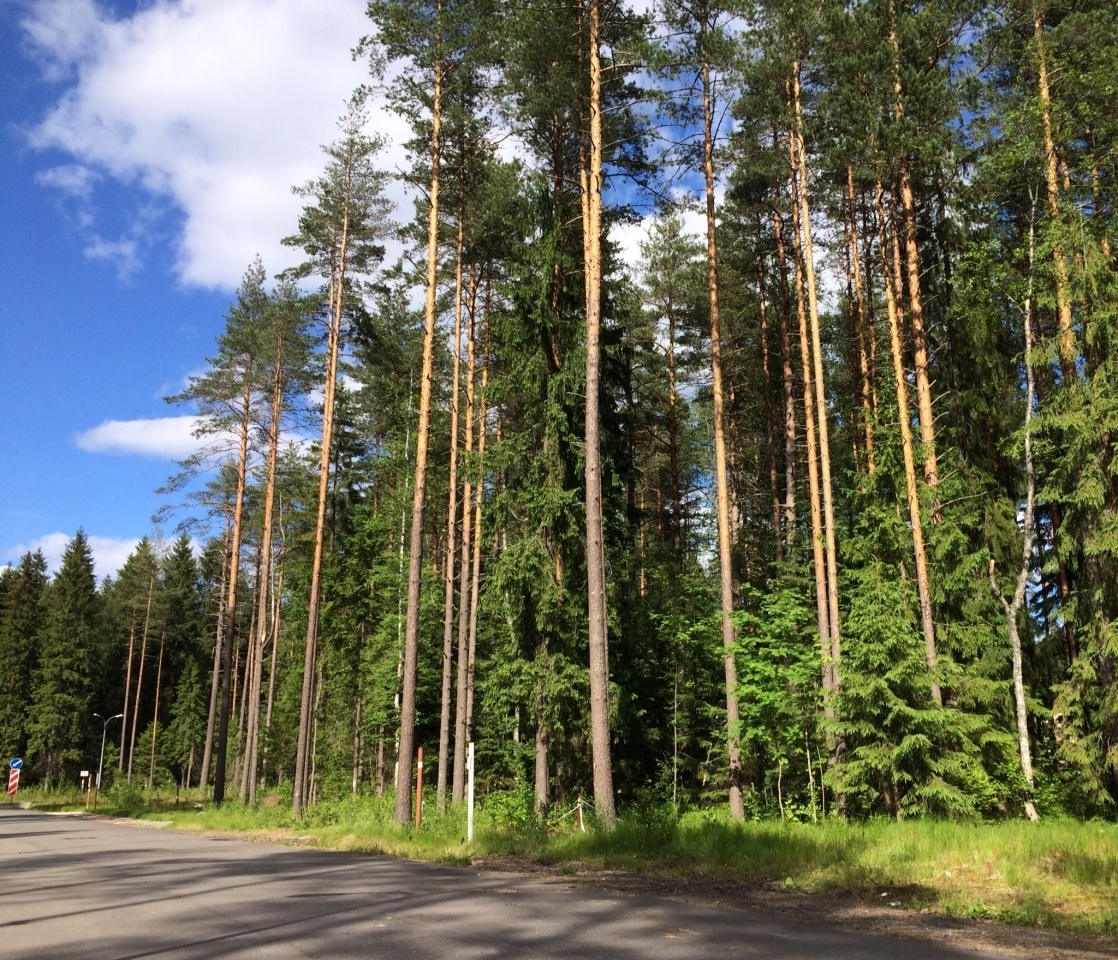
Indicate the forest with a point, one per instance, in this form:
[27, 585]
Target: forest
[809, 509]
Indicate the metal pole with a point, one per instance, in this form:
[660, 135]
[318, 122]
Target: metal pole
[101, 762]
[419, 791]
[470, 794]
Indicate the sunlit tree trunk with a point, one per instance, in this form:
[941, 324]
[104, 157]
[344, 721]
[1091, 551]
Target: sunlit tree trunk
[726, 578]
[1013, 605]
[248, 780]
[835, 651]
[461, 725]
[865, 370]
[402, 813]
[451, 530]
[330, 383]
[1052, 192]
[916, 523]
[595, 543]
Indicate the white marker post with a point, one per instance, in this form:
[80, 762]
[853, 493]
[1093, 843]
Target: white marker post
[470, 795]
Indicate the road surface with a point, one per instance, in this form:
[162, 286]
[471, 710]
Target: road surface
[76, 888]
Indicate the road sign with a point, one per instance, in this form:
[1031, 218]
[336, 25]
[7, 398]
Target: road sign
[15, 763]
[13, 781]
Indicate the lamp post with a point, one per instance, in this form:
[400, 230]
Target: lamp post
[101, 762]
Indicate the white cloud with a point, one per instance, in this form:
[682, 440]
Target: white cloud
[71, 178]
[170, 437]
[109, 553]
[217, 108]
[630, 236]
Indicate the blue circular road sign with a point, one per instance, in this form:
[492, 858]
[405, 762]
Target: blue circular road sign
[15, 763]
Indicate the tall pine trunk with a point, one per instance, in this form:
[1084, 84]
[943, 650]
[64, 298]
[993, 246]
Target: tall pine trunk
[330, 384]
[461, 731]
[591, 179]
[252, 747]
[835, 651]
[451, 530]
[402, 813]
[891, 282]
[725, 559]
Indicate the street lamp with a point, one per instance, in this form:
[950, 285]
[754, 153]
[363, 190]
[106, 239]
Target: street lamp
[101, 762]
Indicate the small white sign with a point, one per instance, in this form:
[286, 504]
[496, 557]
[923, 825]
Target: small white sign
[85, 773]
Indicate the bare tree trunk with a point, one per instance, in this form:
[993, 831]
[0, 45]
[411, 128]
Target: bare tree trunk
[788, 384]
[770, 429]
[915, 300]
[215, 678]
[595, 542]
[140, 681]
[1013, 606]
[475, 577]
[402, 813]
[461, 731]
[916, 524]
[127, 691]
[673, 444]
[274, 664]
[451, 529]
[231, 597]
[820, 398]
[865, 370]
[1052, 186]
[357, 748]
[264, 579]
[819, 561]
[310, 652]
[541, 781]
[155, 714]
[726, 579]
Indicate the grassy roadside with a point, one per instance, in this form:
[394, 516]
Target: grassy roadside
[1057, 874]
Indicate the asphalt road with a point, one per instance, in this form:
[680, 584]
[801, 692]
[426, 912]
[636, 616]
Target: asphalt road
[75, 888]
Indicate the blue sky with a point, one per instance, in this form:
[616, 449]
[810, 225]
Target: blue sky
[147, 152]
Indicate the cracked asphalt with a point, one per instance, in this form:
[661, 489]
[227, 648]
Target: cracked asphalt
[76, 888]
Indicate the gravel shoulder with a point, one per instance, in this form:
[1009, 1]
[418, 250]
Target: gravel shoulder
[847, 911]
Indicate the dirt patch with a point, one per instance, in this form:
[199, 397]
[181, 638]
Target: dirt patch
[865, 913]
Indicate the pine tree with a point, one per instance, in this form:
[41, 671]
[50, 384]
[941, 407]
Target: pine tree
[22, 615]
[60, 726]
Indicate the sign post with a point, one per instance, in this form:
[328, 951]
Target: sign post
[419, 791]
[14, 766]
[470, 795]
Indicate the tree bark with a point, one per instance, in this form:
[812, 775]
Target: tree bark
[310, 651]
[1013, 606]
[475, 576]
[127, 690]
[915, 299]
[231, 596]
[1052, 190]
[451, 530]
[911, 493]
[770, 429]
[402, 813]
[461, 731]
[865, 371]
[595, 545]
[139, 681]
[820, 397]
[248, 780]
[788, 383]
[726, 581]
[155, 713]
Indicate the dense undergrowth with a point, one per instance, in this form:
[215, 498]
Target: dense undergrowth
[1060, 874]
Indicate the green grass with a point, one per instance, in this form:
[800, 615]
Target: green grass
[1057, 874]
